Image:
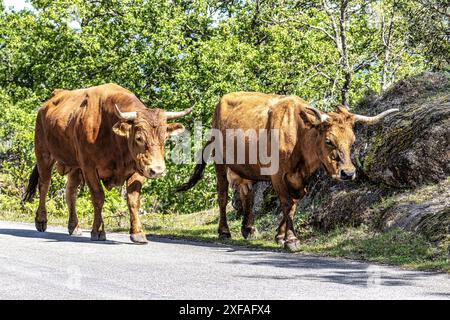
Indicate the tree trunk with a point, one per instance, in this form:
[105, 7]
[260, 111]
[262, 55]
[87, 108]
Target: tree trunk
[344, 54]
[386, 40]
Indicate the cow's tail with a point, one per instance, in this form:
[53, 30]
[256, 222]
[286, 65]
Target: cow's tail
[198, 172]
[32, 185]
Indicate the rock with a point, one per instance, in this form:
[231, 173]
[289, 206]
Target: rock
[425, 210]
[334, 204]
[412, 147]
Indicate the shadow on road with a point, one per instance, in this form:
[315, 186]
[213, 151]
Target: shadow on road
[299, 266]
[338, 271]
[316, 268]
[53, 236]
[197, 243]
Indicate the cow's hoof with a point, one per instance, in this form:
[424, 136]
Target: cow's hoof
[249, 233]
[76, 232]
[40, 226]
[280, 240]
[98, 236]
[224, 236]
[292, 245]
[138, 238]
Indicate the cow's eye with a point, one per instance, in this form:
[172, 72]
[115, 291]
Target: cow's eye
[139, 139]
[329, 143]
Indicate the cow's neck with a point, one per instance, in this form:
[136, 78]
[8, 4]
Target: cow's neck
[121, 165]
[304, 160]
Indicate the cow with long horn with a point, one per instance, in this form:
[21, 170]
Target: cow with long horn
[309, 139]
[102, 135]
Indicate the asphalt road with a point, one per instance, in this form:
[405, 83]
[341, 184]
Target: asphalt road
[52, 265]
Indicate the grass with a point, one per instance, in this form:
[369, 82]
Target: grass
[396, 247]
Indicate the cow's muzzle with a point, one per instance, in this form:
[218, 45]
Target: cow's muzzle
[347, 174]
[155, 171]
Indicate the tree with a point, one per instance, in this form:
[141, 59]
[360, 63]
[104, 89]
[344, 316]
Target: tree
[178, 54]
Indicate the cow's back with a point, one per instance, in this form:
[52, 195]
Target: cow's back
[75, 122]
[243, 110]
[256, 111]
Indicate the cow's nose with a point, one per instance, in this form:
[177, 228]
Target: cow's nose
[347, 174]
[157, 170]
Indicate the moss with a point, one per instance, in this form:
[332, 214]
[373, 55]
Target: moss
[369, 158]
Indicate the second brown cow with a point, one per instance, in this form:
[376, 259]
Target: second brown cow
[308, 140]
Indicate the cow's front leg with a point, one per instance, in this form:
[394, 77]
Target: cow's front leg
[98, 198]
[291, 241]
[286, 234]
[134, 185]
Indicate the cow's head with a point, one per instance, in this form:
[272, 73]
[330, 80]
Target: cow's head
[147, 133]
[336, 137]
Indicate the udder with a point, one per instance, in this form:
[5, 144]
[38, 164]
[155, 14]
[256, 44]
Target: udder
[236, 181]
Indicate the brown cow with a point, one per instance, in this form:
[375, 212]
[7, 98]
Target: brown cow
[98, 135]
[308, 140]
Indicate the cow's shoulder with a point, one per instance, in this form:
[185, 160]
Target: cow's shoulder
[112, 87]
[56, 92]
[243, 100]
[280, 103]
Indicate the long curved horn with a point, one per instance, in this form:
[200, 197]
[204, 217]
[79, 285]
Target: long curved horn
[319, 115]
[177, 114]
[375, 119]
[130, 116]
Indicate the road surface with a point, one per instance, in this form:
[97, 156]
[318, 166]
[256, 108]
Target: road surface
[53, 265]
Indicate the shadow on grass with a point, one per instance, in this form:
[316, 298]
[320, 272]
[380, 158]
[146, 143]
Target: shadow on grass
[393, 247]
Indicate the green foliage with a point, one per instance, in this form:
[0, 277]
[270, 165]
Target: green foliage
[177, 54]
[16, 140]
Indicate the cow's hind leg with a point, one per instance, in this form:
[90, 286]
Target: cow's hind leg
[74, 179]
[44, 165]
[98, 198]
[222, 194]
[281, 232]
[248, 230]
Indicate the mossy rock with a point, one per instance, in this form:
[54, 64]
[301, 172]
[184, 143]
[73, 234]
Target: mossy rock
[424, 210]
[412, 147]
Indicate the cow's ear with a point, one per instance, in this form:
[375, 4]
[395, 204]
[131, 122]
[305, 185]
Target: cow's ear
[310, 118]
[122, 128]
[349, 117]
[174, 129]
